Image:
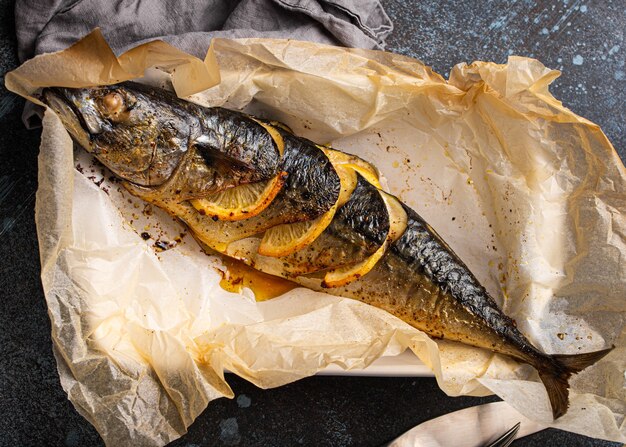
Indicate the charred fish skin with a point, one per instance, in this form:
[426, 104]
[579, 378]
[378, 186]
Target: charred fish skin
[312, 185]
[436, 290]
[236, 140]
[363, 220]
[357, 230]
[169, 150]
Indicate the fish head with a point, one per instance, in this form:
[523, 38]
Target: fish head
[141, 138]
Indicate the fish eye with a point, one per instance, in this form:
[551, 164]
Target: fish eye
[113, 104]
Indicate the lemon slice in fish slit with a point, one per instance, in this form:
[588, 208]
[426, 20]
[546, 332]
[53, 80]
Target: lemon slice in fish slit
[274, 133]
[349, 273]
[368, 174]
[278, 125]
[338, 158]
[240, 202]
[345, 275]
[285, 239]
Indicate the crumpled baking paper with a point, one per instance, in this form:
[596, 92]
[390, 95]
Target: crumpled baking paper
[531, 196]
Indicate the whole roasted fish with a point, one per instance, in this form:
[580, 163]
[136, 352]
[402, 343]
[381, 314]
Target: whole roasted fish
[254, 191]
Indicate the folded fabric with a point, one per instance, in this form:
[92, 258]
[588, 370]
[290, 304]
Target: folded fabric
[190, 25]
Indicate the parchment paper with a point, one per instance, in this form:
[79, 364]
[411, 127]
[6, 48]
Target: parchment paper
[531, 197]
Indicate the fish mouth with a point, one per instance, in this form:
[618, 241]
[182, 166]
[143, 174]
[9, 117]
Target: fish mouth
[81, 129]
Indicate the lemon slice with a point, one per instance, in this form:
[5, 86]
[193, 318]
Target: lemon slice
[398, 219]
[240, 202]
[285, 239]
[279, 125]
[367, 171]
[348, 180]
[338, 158]
[397, 224]
[345, 275]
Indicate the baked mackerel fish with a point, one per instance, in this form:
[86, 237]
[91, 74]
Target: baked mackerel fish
[252, 190]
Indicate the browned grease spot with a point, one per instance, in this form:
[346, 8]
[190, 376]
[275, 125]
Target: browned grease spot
[239, 275]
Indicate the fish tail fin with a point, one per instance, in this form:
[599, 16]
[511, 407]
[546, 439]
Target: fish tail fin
[577, 362]
[556, 376]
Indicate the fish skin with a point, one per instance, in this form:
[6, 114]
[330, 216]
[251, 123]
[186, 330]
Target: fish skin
[169, 150]
[312, 185]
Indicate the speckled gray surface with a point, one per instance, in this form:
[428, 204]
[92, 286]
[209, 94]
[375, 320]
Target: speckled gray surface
[583, 38]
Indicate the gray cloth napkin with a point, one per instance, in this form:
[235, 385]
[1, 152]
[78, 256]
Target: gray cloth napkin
[45, 26]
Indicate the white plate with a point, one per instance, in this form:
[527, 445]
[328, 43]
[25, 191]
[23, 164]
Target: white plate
[403, 365]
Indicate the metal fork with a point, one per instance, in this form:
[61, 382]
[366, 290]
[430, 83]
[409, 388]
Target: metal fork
[506, 439]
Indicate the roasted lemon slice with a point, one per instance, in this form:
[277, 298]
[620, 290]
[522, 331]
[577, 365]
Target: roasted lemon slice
[279, 125]
[397, 224]
[283, 240]
[274, 133]
[348, 179]
[367, 171]
[398, 219]
[240, 202]
[345, 275]
[338, 158]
